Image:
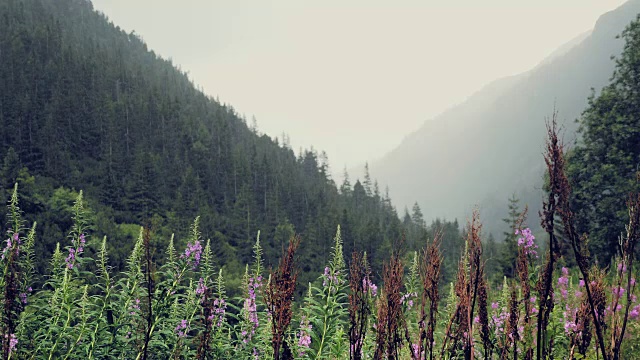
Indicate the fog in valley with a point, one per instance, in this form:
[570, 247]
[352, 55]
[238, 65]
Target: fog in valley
[352, 78]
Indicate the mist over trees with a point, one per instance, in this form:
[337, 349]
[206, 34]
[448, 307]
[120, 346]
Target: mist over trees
[499, 132]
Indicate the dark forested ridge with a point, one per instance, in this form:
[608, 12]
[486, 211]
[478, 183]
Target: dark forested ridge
[604, 165]
[84, 105]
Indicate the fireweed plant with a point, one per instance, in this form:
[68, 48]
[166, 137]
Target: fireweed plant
[179, 309]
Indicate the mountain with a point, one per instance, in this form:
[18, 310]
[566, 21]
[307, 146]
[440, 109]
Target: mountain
[87, 106]
[490, 146]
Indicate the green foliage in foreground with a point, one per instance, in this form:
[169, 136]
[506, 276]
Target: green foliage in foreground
[180, 309]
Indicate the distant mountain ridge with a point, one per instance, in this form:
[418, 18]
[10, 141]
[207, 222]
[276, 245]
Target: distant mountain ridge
[490, 146]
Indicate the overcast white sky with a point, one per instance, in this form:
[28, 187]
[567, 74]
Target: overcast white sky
[351, 77]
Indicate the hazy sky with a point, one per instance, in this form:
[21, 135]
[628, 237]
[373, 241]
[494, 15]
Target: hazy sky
[351, 77]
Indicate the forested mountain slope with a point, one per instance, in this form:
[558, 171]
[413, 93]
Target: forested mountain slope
[84, 105]
[490, 146]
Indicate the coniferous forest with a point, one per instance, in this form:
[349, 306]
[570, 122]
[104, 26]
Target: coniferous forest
[147, 220]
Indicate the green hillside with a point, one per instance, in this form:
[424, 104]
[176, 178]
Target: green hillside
[86, 106]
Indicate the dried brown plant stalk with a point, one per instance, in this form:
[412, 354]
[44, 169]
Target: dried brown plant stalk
[279, 298]
[10, 305]
[582, 339]
[359, 309]
[150, 282]
[458, 324]
[207, 319]
[390, 315]
[554, 161]
[476, 272]
[483, 317]
[470, 276]
[512, 324]
[522, 267]
[430, 276]
[627, 250]
[559, 200]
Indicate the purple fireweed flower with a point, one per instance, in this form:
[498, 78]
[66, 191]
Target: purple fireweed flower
[374, 289]
[618, 291]
[304, 336]
[14, 239]
[563, 281]
[134, 307]
[369, 287]
[71, 258]
[181, 329]
[218, 311]
[570, 326]
[23, 296]
[201, 289]
[329, 278]
[82, 241]
[622, 267]
[407, 297]
[250, 306]
[573, 326]
[415, 348]
[192, 254]
[527, 242]
[617, 309]
[499, 319]
[74, 251]
[13, 342]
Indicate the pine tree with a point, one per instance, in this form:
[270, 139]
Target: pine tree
[510, 247]
[417, 217]
[367, 180]
[345, 188]
[605, 163]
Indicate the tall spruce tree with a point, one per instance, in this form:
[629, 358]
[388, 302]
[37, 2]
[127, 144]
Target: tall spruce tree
[604, 165]
[510, 246]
